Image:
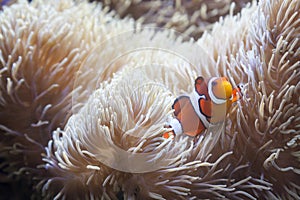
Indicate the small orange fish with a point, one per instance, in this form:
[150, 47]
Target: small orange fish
[208, 103]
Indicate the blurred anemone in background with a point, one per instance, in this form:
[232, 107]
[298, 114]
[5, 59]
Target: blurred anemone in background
[191, 18]
[86, 89]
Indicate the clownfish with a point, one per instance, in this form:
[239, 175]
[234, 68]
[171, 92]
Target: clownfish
[208, 103]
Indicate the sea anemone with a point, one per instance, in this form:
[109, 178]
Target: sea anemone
[189, 17]
[84, 103]
[42, 47]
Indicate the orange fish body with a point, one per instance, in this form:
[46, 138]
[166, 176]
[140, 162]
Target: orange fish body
[191, 124]
[208, 103]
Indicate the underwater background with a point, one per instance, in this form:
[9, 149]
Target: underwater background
[86, 90]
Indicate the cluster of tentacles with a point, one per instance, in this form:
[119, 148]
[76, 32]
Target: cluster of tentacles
[85, 95]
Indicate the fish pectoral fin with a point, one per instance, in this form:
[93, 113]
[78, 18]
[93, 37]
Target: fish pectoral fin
[205, 107]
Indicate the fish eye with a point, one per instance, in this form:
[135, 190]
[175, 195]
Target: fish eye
[214, 83]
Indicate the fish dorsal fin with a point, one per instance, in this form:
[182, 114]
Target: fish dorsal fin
[201, 86]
